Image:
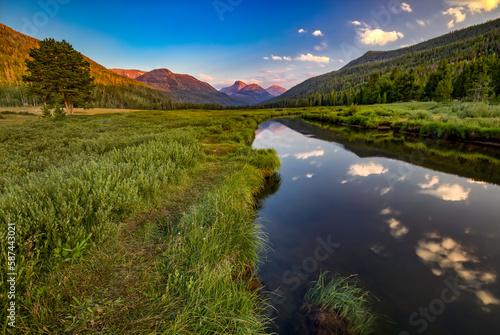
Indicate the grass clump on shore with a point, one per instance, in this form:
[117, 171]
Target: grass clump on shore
[338, 305]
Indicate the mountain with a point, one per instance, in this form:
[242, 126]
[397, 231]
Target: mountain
[461, 45]
[235, 89]
[128, 73]
[185, 88]
[252, 94]
[276, 90]
[112, 90]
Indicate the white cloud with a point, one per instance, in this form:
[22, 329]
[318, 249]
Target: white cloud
[341, 60]
[457, 12]
[368, 35]
[365, 170]
[310, 175]
[476, 6]
[377, 36]
[318, 33]
[421, 23]
[301, 31]
[204, 77]
[307, 155]
[276, 57]
[311, 58]
[266, 58]
[287, 58]
[406, 7]
[449, 192]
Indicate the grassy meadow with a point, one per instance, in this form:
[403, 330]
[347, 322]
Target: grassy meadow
[143, 221]
[134, 222]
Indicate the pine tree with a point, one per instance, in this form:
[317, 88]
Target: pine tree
[59, 74]
[478, 86]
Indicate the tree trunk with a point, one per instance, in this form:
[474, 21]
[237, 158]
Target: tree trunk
[69, 107]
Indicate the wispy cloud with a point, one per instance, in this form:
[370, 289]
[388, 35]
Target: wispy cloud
[318, 33]
[457, 12]
[421, 23]
[369, 36]
[301, 31]
[406, 7]
[204, 77]
[311, 58]
[321, 47]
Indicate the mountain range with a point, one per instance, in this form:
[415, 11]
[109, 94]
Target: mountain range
[253, 93]
[161, 88]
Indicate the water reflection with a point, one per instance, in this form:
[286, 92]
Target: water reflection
[446, 192]
[378, 210]
[445, 254]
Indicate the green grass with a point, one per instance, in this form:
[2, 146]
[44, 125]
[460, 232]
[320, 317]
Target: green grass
[344, 297]
[89, 194]
[452, 121]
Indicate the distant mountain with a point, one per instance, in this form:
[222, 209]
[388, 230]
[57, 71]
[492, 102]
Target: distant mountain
[465, 44]
[185, 88]
[252, 94]
[276, 90]
[128, 73]
[111, 90]
[235, 89]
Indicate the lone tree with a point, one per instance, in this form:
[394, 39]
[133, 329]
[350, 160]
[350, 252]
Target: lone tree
[59, 74]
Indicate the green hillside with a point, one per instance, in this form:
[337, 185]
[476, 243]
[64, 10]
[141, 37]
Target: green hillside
[112, 90]
[457, 48]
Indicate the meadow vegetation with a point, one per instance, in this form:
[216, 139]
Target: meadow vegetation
[136, 222]
[143, 221]
[452, 121]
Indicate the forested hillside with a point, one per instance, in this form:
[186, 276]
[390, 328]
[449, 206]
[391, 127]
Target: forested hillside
[111, 90]
[413, 66]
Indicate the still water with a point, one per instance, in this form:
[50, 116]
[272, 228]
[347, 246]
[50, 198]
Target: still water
[419, 225]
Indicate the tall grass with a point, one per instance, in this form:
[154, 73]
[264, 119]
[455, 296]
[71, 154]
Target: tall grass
[59, 210]
[212, 249]
[344, 297]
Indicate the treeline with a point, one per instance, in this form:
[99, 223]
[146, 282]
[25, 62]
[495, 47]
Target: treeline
[474, 80]
[120, 96]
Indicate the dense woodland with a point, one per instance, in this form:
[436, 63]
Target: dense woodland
[475, 80]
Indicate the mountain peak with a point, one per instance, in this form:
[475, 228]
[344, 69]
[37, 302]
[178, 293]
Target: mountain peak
[252, 93]
[276, 90]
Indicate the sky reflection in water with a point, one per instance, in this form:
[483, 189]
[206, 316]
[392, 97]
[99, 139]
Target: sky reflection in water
[407, 231]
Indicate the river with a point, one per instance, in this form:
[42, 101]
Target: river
[418, 222]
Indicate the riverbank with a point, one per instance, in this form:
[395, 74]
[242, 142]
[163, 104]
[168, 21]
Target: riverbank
[137, 222]
[470, 122]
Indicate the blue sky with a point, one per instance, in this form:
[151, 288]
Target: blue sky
[220, 41]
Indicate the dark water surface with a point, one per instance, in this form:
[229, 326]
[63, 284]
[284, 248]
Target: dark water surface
[423, 237]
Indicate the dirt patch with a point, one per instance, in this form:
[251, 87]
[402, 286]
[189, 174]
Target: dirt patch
[314, 320]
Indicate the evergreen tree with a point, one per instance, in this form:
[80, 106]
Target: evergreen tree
[59, 74]
[478, 86]
[373, 88]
